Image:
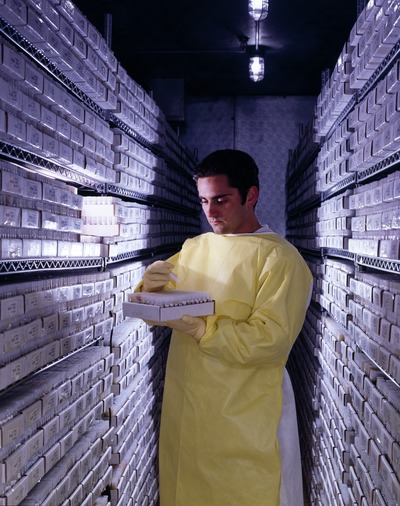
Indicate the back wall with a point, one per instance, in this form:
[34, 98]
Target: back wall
[265, 127]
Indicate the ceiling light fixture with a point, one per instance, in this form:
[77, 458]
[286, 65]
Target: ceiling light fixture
[258, 9]
[256, 68]
[257, 63]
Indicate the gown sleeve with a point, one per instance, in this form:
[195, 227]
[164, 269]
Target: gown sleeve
[276, 319]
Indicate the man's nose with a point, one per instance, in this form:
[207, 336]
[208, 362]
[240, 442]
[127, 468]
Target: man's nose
[210, 209]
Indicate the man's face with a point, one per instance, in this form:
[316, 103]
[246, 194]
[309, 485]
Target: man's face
[223, 206]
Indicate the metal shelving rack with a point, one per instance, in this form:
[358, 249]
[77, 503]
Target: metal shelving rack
[33, 161]
[309, 351]
[380, 71]
[390, 163]
[30, 265]
[54, 272]
[381, 264]
[16, 38]
[85, 183]
[142, 254]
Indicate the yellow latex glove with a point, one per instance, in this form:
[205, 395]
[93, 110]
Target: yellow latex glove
[157, 276]
[190, 325]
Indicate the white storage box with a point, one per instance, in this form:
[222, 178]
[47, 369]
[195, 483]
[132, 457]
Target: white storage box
[168, 305]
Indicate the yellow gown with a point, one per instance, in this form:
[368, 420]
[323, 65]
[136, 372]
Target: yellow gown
[223, 396]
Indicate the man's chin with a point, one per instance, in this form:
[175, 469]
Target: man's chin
[218, 228]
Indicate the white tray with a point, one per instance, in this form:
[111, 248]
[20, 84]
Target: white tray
[162, 314]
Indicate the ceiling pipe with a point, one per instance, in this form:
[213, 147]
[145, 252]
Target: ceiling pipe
[108, 29]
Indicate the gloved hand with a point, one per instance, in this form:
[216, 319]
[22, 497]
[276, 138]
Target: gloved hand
[157, 276]
[191, 325]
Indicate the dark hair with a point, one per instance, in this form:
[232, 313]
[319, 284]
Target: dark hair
[239, 167]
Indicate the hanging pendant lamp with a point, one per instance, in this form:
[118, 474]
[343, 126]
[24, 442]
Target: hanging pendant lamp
[258, 9]
[256, 62]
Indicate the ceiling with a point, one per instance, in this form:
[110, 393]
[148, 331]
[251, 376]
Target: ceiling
[200, 42]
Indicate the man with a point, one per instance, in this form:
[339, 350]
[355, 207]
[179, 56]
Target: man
[223, 389]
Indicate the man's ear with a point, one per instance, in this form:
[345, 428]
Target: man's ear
[252, 196]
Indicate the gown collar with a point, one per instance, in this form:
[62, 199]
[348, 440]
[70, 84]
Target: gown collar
[264, 229]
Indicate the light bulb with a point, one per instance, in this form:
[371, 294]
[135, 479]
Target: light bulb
[256, 68]
[258, 9]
